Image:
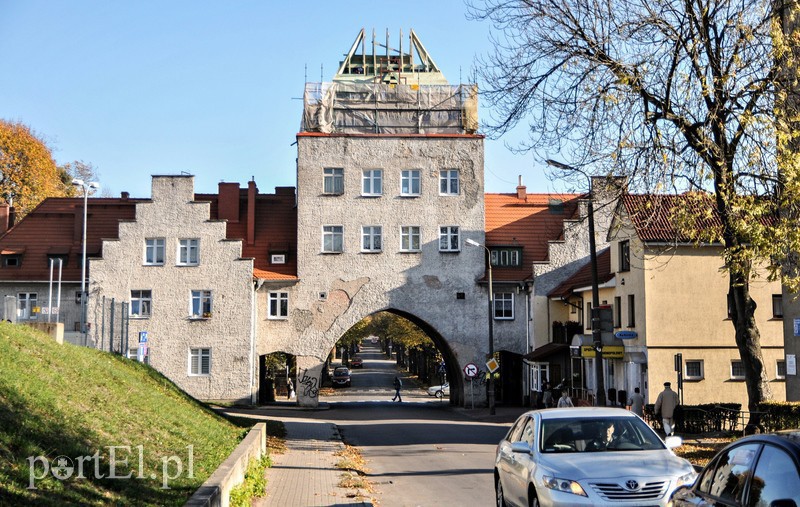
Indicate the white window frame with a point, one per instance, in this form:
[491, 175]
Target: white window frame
[737, 377]
[278, 305]
[143, 301]
[701, 367]
[201, 304]
[26, 301]
[409, 233]
[188, 252]
[196, 357]
[333, 181]
[371, 238]
[449, 182]
[372, 182]
[500, 300]
[448, 233]
[409, 179]
[778, 374]
[330, 233]
[152, 247]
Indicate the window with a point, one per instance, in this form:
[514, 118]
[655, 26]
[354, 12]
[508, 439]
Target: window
[200, 304]
[730, 306]
[57, 260]
[154, 251]
[372, 182]
[727, 479]
[778, 477]
[631, 311]
[448, 182]
[12, 261]
[77, 297]
[199, 361]
[371, 238]
[624, 255]
[694, 369]
[141, 302]
[506, 257]
[504, 305]
[278, 305]
[332, 239]
[277, 259]
[409, 238]
[617, 311]
[777, 306]
[333, 181]
[737, 370]
[188, 252]
[588, 319]
[449, 239]
[409, 182]
[780, 369]
[26, 302]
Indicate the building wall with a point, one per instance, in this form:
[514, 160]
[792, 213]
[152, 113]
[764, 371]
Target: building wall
[173, 214]
[791, 313]
[354, 284]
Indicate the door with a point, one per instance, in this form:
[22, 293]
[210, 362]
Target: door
[26, 301]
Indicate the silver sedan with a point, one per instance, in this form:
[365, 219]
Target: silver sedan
[586, 456]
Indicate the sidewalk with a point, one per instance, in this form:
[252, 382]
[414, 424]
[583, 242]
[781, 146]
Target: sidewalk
[306, 474]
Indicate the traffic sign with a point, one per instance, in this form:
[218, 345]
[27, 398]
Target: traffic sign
[492, 365]
[470, 370]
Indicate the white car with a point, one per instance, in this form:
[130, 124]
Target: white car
[439, 391]
[587, 456]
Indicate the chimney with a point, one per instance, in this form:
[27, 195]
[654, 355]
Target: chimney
[228, 208]
[124, 196]
[252, 192]
[522, 193]
[4, 216]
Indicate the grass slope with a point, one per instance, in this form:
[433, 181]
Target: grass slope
[62, 400]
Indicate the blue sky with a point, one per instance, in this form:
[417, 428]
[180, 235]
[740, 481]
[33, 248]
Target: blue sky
[143, 87]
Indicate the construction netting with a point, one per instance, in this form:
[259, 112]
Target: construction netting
[367, 108]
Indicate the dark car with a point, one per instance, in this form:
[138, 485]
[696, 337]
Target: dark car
[356, 362]
[755, 470]
[341, 376]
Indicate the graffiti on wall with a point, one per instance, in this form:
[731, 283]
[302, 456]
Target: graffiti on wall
[310, 388]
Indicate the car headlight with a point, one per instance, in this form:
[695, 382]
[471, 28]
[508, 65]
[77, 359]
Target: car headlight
[565, 485]
[686, 480]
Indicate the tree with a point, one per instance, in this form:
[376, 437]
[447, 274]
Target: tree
[677, 95]
[82, 171]
[28, 173]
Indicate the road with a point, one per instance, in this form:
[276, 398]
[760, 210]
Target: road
[421, 452]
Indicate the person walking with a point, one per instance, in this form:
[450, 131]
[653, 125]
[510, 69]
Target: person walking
[565, 400]
[547, 395]
[636, 403]
[398, 384]
[666, 403]
[289, 389]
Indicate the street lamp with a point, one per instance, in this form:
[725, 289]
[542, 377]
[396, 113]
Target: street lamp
[86, 187]
[472, 242]
[596, 331]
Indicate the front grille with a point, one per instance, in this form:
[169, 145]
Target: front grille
[614, 491]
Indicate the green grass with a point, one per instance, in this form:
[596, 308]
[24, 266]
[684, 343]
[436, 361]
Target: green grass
[62, 400]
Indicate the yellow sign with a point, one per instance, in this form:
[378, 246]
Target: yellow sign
[609, 351]
[492, 365]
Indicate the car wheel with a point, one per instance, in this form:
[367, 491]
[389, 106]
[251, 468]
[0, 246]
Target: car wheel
[439, 394]
[498, 490]
[533, 500]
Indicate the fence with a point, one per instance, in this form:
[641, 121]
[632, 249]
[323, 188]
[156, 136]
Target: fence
[111, 326]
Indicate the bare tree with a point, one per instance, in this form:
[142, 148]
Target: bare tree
[677, 95]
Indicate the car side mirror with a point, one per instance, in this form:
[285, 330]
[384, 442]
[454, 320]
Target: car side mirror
[520, 447]
[673, 442]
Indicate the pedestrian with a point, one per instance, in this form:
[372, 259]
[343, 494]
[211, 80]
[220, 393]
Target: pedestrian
[666, 404]
[565, 400]
[547, 395]
[289, 389]
[636, 403]
[398, 384]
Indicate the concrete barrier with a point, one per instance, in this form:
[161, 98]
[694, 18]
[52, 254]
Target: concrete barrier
[216, 491]
[54, 329]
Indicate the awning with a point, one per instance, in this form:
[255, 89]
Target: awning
[58, 250]
[635, 357]
[586, 340]
[12, 250]
[545, 351]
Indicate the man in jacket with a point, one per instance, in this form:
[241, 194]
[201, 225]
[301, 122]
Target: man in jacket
[666, 403]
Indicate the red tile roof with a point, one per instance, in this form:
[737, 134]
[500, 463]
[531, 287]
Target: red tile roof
[583, 277]
[530, 223]
[654, 215]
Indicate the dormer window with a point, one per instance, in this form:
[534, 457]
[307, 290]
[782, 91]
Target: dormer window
[12, 256]
[510, 257]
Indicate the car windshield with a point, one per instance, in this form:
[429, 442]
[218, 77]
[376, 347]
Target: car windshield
[340, 371]
[597, 435]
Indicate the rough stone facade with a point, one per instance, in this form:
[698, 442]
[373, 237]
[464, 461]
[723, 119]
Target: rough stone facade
[336, 290]
[173, 214]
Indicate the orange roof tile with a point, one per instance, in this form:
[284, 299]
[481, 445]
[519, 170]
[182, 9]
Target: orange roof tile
[583, 277]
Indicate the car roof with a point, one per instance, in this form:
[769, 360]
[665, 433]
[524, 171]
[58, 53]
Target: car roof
[580, 412]
[789, 439]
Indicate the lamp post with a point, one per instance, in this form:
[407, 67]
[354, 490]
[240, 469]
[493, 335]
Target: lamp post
[86, 187]
[597, 340]
[472, 242]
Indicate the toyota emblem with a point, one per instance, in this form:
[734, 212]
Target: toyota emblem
[632, 485]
